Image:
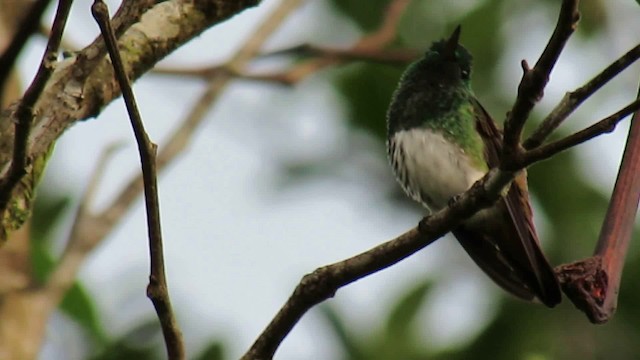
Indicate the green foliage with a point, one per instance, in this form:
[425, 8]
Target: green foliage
[46, 215]
[485, 42]
[403, 314]
[213, 351]
[594, 16]
[140, 343]
[122, 351]
[368, 89]
[77, 303]
[366, 17]
[396, 339]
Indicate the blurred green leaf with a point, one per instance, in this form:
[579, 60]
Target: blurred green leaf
[141, 342]
[122, 351]
[367, 17]
[76, 303]
[397, 338]
[406, 309]
[345, 336]
[47, 213]
[574, 207]
[368, 88]
[594, 15]
[481, 34]
[213, 351]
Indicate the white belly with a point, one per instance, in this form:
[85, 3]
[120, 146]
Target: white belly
[436, 170]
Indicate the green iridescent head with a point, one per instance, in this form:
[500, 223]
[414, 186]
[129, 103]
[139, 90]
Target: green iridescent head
[447, 61]
[434, 87]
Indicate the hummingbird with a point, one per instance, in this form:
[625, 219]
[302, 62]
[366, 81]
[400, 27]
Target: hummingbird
[440, 141]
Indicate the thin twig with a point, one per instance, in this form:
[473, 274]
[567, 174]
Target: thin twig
[573, 99]
[157, 290]
[180, 138]
[534, 80]
[129, 13]
[92, 229]
[388, 30]
[370, 48]
[299, 71]
[24, 112]
[603, 126]
[61, 105]
[28, 26]
[211, 72]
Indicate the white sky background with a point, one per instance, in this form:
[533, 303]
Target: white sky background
[237, 241]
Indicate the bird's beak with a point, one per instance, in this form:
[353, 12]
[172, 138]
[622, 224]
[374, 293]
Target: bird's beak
[452, 44]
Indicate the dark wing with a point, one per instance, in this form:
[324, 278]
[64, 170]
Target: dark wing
[510, 254]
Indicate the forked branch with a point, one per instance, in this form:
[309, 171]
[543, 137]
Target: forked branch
[535, 79]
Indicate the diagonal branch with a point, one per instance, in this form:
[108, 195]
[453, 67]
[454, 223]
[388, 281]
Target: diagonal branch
[28, 26]
[78, 92]
[299, 71]
[573, 99]
[603, 126]
[369, 48]
[534, 80]
[324, 282]
[24, 113]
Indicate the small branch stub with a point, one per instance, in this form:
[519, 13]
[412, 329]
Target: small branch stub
[585, 283]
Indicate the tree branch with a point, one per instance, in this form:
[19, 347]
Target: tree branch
[324, 282]
[603, 126]
[321, 56]
[573, 99]
[534, 80]
[90, 229]
[158, 289]
[24, 116]
[593, 284]
[370, 48]
[28, 26]
[78, 92]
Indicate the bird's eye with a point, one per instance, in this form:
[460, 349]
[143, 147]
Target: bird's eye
[464, 73]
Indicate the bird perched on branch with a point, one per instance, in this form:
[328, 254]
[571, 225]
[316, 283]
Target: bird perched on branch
[440, 141]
